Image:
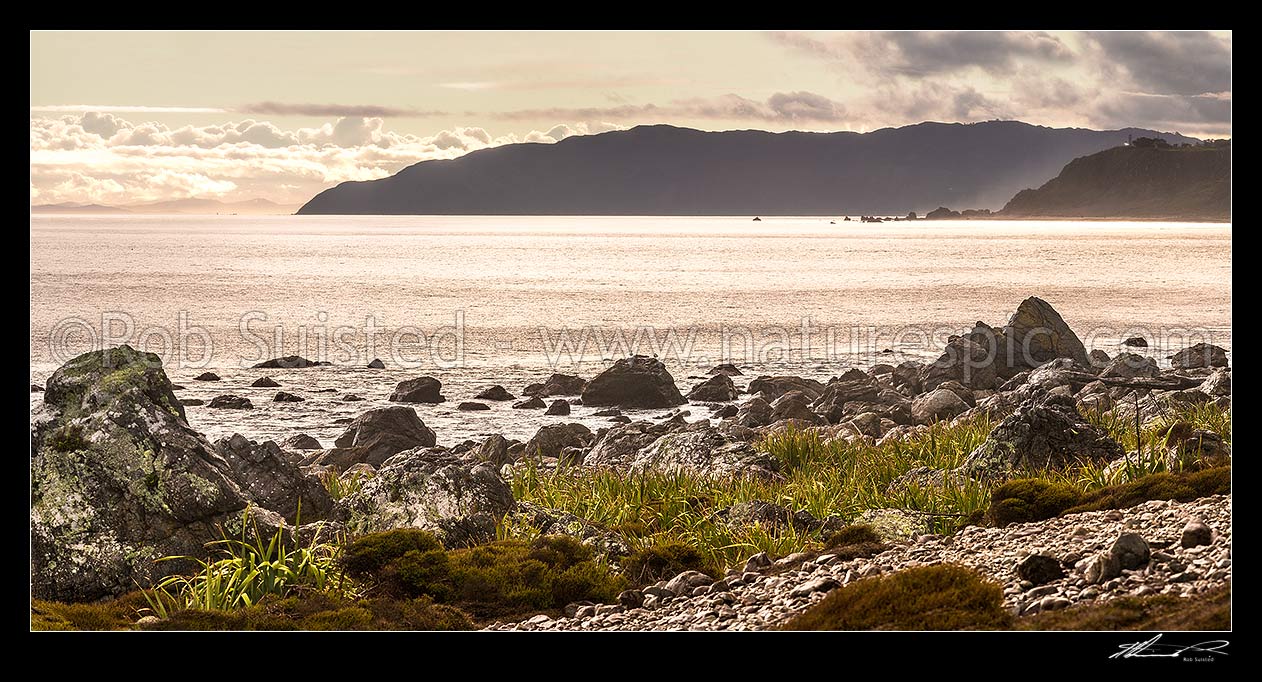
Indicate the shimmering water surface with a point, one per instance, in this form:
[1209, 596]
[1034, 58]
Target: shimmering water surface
[475, 300]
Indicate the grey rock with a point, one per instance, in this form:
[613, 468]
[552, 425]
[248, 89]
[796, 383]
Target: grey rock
[376, 364]
[283, 397]
[274, 481]
[1130, 365]
[558, 408]
[264, 382]
[301, 441]
[418, 390]
[1040, 569]
[472, 407]
[718, 388]
[937, 405]
[375, 436]
[495, 392]
[550, 440]
[1044, 433]
[1195, 534]
[532, 403]
[231, 402]
[1131, 551]
[1200, 355]
[206, 376]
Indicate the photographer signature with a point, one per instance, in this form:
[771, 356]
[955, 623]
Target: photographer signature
[1154, 649]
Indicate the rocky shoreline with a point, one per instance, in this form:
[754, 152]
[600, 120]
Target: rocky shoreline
[765, 593]
[120, 479]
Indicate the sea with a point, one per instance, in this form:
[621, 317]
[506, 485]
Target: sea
[509, 300]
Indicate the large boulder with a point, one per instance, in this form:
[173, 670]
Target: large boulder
[1036, 333]
[754, 413]
[270, 478]
[119, 479]
[637, 381]
[1200, 355]
[718, 389]
[794, 405]
[553, 439]
[937, 405]
[418, 390]
[1041, 434]
[373, 437]
[459, 501]
[772, 387]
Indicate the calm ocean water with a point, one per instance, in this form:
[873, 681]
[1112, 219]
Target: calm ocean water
[479, 300]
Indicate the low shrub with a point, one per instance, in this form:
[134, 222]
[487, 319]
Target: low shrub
[856, 534]
[1030, 499]
[663, 562]
[369, 554]
[940, 597]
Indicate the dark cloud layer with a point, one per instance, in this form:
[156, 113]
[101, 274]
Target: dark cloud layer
[1183, 63]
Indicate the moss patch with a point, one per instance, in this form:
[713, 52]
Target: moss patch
[1183, 487]
[1030, 499]
[663, 562]
[500, 579]
[941, 597]
[324, 612]
[116, 614]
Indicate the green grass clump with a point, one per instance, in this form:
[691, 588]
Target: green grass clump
[115, 614]
[1030, 499]
[663, 562]
[1183, 487]
[941, 597]
[249, 570]
[499, 579]
[323, 612]
[822, 477]
[339, 487]
[1207, 611]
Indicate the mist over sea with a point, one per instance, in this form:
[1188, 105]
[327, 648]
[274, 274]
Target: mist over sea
[475, 300]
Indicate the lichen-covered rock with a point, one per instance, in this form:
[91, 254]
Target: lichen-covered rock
[373, 437]
[637, 381]
[718, 389]
[706, 451]
[431, 489]
[1041, 434]
[895, 525]
[271, 479]
[418, 390]
[118, 479]
[619, 446]
[1200, 355]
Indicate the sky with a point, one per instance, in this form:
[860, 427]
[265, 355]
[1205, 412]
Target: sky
[133, 117]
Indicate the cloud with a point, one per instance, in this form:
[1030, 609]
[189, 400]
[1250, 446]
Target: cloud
[924, 53]
[1169, 63]
[326, 110]
[125, 109]
[781, 107]
[97, 157]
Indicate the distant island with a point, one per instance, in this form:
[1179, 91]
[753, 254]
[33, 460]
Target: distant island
[666, 170]
[176, 206]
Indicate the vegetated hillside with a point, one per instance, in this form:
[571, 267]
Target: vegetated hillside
[1132, 182]
[664, 170]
